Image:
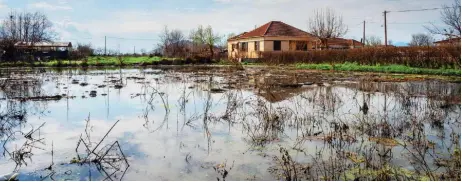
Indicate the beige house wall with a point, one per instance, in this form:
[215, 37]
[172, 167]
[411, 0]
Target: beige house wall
[268, 46]
[250, 53]
[285, 45]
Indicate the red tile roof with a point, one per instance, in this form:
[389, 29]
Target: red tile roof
[453, 40]
[237, 36]
[276, 28]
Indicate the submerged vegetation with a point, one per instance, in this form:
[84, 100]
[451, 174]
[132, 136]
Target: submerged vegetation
[226, 123]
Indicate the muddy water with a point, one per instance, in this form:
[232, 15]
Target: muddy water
[220, 123]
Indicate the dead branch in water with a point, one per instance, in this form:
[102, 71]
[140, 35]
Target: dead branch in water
[109, 159]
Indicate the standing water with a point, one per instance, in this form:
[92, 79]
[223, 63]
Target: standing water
[224, 124]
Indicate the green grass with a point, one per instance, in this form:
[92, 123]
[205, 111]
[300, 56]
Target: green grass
[108, 61]
[90, 61]
[145, 60]
[380, 68]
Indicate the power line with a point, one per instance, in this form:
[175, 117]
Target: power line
[410, 23]
[123, 38]
[355, 25]
[425, 9]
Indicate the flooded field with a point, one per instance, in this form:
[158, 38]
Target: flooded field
[221, 123]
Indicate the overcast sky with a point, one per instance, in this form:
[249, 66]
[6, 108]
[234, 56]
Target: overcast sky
[88, 21]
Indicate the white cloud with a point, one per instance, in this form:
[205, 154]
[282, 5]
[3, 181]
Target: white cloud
[2, 5]
[222, 1]
[236, 16]
[253, 1]
[61, 5]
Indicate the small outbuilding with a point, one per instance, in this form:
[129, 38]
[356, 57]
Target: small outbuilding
[448, 42]
[341, 43]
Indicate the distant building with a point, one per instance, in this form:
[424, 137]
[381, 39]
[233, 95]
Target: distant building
[383, 46]
[44, 50]
[340, 43]
[446, 42]
[274, 36]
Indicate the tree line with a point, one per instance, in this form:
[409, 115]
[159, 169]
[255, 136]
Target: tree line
[24, 27]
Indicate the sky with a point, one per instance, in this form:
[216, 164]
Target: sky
[135, 25]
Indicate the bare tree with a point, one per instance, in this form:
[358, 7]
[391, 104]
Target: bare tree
[326, 24]
[205, 36]
[172, 42]
[157, 50]
[223, 43]
[164, 41]
[143, 52]
[450, 15]
[421, 40]
[177, 43]
[85, 50]
[373, 41]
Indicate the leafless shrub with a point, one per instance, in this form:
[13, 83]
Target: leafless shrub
[424, 57]
[173, 43]
[373, 41]
[421, 40]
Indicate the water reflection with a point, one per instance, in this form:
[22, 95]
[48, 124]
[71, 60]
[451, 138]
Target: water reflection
[209, 123]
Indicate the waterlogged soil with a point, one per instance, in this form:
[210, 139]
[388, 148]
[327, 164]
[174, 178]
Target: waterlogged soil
[224, 123]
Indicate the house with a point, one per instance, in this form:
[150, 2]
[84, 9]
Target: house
[446, 42]
[340, 43]
[44, 50]
[274, 36]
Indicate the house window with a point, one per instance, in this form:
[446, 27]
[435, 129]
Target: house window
[301, 46]
[298, 45]
[277, 45]
[244, 46]
[257, 46]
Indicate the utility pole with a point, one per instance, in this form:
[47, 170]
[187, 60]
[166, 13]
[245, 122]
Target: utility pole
[105, 46]
[385, 26]
[133, 50]
[364, 33]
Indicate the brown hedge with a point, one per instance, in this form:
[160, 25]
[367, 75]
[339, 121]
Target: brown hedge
[423, 57]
